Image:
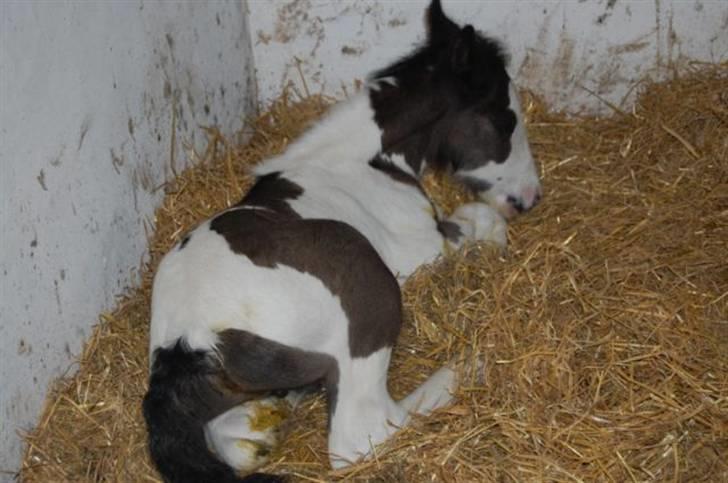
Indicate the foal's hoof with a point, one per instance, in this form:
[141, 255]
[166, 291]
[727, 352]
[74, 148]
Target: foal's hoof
[246, 435]
[480, 222]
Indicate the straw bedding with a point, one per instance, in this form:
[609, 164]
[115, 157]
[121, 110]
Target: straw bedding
[603, 330]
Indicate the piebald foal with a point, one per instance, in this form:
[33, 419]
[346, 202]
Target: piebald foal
[297, 285]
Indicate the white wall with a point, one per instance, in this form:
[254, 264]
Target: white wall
[87, 91]
[558, 47]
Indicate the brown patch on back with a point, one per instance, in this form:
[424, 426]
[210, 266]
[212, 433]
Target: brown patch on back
[273, 192]
[335, 253]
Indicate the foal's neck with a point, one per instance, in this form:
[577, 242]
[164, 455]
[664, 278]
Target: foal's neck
[409, 120]
[348, 134]
[378, 120]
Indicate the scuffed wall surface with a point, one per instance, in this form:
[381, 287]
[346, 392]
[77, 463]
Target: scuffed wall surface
[573, 52]
[89, 95]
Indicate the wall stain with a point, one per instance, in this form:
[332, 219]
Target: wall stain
[85, 125]
[24, 347]
[58, 297]
[607, 13]
[263, 38]
[142, 177]
[397, 22]
[116, 161]
[170, 41]
[564, 58]
[352, 51]
[658, 35]
[55, 162]
[41, 180]
[291, 19]
[628, 48]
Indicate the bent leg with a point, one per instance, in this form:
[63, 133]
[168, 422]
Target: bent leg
[477, 222]
[245, 435]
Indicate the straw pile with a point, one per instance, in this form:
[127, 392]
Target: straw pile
[603, 331]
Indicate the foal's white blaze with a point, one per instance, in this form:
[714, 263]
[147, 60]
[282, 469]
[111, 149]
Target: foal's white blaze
[517, 176]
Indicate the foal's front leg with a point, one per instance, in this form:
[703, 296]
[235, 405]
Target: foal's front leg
[365, 415]
[475, 221]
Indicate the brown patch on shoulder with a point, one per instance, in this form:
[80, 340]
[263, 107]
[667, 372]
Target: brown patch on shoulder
[335, 253]
[272, 191]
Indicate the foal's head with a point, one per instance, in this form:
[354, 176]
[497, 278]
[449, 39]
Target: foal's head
[451, 105]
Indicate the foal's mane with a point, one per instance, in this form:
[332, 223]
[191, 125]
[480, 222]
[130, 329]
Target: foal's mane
[488, 55]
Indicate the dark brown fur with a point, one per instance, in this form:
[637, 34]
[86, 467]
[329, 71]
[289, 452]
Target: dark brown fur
[468, 122]
[333, 252]
[273, 192]
[256, 365]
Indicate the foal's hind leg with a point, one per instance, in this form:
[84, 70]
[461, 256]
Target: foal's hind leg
[244, 435]
[476, 221]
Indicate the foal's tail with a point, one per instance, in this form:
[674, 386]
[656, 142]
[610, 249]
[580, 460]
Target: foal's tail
[182, 398]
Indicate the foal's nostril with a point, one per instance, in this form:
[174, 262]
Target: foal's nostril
[516, 203]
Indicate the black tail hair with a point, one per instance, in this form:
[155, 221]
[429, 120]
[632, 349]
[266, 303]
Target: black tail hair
[181, 399]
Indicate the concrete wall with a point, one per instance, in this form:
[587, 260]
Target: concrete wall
[561, 49]
[87, 95]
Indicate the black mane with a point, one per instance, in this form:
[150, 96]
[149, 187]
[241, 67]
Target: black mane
[489, 51]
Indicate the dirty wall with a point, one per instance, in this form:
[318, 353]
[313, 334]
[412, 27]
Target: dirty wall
[90, 96]
[576, 53]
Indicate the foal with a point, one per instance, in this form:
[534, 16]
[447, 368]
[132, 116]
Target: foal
[297, 285]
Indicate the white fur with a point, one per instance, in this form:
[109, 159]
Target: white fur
[366, 415]
[340, 185]
[205, 287]
[479, 221]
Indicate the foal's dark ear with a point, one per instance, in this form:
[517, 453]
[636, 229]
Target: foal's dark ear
[440, 29]
[462, 49]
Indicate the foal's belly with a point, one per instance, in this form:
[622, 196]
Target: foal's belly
[395, 217]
